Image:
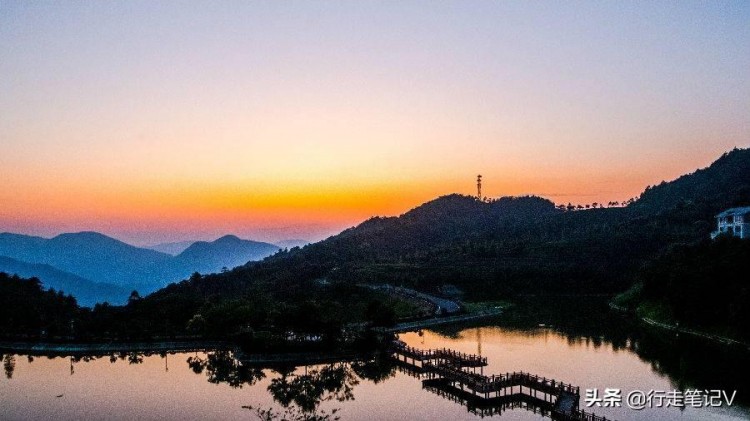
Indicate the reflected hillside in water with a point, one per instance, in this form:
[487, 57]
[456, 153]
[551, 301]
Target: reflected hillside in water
[298, 391]
[606, 351]
[587, 322]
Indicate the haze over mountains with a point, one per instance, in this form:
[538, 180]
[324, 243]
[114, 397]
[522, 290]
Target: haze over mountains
[288, 244]
[86, 292]
[489, 249]
[226, 252]
[94, 267]
[173, 248]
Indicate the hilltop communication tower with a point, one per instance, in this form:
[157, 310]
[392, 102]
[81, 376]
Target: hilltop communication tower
[479, 187]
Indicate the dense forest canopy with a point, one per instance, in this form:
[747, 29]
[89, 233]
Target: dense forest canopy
[703, 285]
[501, 248]
[27, 307]
[488, 249]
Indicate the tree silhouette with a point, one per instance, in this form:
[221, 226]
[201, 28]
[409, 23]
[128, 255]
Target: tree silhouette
[307, 391]
[222, 367]
[293, 414]
[134, 297]
[9, 364]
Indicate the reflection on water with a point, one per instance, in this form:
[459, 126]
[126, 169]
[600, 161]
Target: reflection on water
[222, 367]
[602, 352]
[9, 364]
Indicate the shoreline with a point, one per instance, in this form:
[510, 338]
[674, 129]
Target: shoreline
[677, 329]
[437, 321]
[72, 349]
[709, 336]
[108, 348]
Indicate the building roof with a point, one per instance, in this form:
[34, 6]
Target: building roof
[734, 211]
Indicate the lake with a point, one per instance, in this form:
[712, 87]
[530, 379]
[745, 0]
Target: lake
[580, 342]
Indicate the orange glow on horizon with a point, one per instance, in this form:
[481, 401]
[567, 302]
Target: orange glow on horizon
[281, 120]
[286, 208]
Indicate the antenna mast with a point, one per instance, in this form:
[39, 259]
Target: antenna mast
[479, 187]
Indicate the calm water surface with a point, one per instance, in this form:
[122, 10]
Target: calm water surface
[212, 385]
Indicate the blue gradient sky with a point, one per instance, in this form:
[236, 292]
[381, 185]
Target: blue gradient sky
[296, 119]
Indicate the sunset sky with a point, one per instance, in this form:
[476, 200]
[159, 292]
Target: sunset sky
[166, 121]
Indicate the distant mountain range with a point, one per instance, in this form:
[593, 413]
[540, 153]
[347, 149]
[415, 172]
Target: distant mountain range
[288, 244]
[489, 249]
[174, 248]
[94, 267]
[225, 252]
[87, 292]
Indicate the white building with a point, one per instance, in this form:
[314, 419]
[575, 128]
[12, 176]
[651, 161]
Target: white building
[735, 221]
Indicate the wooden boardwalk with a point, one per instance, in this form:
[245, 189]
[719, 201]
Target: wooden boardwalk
[487, 407]
[444, 371]
[444, 355]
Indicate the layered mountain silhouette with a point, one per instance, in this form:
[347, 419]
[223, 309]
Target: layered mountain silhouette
[93, 256]
[87, 292]
[511, 245]
[92, 266]
[173, 248]
[682, 210]
[226, 252]
[489, 249]
[288, 244]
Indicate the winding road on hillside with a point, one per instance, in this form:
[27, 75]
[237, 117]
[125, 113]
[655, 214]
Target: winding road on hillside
[442, 305]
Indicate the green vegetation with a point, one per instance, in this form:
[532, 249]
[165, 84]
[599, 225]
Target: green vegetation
[496, 250]
[656, 310]
[480, 306]
[629, 297]
[490, 250]
[26, 307]
[703, 286]
[499, 249]
[261, 317]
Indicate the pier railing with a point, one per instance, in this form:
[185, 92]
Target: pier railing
[495, 382]
[443, 355]
[448, 367]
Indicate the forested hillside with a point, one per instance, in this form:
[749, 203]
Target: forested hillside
[26, 307]
[493, 249]
[703, 285]
[512, 245]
